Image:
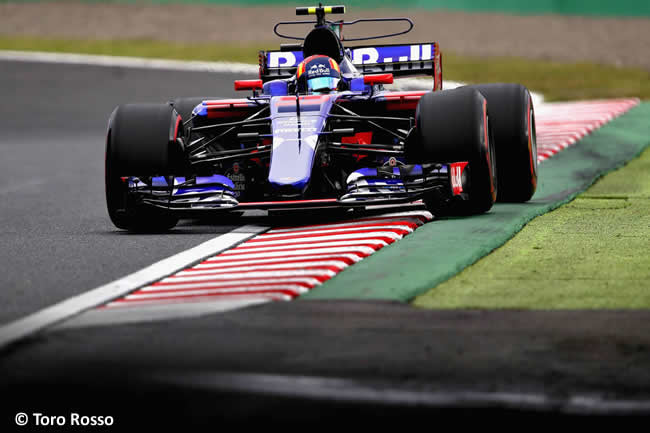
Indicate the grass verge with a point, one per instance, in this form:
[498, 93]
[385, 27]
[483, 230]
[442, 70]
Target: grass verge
[556, 81]
[590, 253]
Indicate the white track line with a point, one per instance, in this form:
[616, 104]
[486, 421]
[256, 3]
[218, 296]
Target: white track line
[338, 389]
[129, 62]
[28, 325]
[121, 314]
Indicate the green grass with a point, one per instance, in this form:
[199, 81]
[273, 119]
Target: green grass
[590, 253]
[557, 81]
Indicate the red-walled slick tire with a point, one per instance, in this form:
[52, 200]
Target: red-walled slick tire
[513, 122]
[454, 126]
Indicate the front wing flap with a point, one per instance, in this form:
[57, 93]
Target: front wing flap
[367, 186]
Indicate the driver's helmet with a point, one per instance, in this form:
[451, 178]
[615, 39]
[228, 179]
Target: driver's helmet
[318, 74]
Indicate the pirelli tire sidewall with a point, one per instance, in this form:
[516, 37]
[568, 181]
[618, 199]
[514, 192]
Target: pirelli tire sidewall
[453, 126]
[140, 141]
[513, 123]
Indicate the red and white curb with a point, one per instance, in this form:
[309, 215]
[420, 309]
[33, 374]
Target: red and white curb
[277, 265]
[561, 124]
[284, 263]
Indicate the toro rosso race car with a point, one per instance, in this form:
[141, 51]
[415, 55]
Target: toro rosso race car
[320, 130]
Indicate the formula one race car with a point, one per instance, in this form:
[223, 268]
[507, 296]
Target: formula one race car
[320, 130]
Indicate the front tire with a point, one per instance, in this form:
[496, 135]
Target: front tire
[141, 141]
[453, 126]
[513, 123]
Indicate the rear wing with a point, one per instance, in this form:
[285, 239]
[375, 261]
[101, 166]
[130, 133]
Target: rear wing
[400, 60]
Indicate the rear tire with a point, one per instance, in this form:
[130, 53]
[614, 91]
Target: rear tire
[513, 122]
[453, 126]
[141, 141]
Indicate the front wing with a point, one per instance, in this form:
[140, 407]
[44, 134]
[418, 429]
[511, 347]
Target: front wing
[366, 186]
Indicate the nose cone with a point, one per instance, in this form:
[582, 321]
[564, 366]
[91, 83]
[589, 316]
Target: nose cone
[297, 123]
[291, 162]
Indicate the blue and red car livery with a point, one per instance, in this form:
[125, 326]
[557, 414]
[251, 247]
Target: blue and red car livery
[287, 146]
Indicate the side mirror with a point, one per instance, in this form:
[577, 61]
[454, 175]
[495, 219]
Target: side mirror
[378, 79]
[357, 85]
[276, 88]
[248, 84]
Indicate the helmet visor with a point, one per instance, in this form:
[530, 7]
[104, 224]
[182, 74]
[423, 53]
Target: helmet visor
[320, 84]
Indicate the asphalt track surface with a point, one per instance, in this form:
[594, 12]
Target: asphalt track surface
[375, 361]
[56, 236]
